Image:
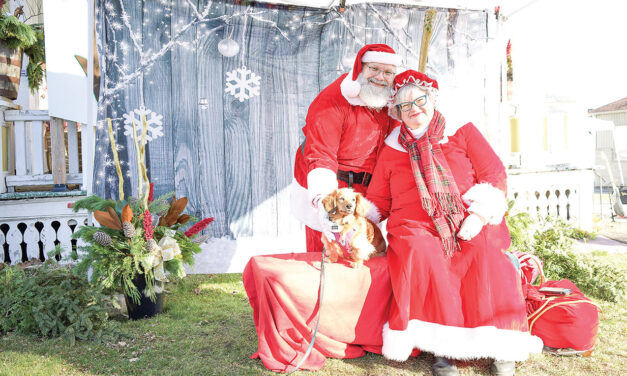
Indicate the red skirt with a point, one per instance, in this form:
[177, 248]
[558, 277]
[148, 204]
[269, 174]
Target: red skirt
[465, 307]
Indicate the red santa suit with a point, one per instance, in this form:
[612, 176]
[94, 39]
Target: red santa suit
[466, 306]
[341, 135]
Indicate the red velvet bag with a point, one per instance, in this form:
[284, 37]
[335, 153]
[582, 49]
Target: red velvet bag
[567, 324]
[564, 321]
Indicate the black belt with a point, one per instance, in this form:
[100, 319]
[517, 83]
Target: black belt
[351, 177]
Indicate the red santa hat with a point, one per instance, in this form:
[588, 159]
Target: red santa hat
[415, 78]
[370, 53]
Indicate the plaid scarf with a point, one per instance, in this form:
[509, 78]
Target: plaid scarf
[438, 192]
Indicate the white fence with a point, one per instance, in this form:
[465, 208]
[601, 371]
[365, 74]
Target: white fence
[567, 194]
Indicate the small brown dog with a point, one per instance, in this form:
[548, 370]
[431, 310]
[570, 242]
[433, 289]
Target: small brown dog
[359, 238]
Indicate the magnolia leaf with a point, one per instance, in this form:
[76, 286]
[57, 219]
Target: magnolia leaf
[183, 219]
[176, 208]
[104, 218]
[114, 216]
[127, 213]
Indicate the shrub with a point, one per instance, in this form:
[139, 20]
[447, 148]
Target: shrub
[551, 239]
[50, 301]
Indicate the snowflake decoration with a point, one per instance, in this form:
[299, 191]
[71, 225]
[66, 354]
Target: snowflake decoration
[239, 85]
[153, 123]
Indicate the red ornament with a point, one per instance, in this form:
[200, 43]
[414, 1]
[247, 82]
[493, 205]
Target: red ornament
[198, 227]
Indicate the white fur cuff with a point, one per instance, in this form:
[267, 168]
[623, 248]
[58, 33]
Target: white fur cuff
[321, 181]
[372, 213]
[301, 206]
[487, 201]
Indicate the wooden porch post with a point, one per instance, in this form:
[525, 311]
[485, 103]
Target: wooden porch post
[57, 146]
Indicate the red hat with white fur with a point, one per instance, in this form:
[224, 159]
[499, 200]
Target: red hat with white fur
[416, 78]
[370, 53]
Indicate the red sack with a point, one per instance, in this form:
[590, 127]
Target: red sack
[564, 321]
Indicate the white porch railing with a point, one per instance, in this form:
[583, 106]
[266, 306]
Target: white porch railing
[32, 228]
[567, 194]
[27, 162]
[33, 223]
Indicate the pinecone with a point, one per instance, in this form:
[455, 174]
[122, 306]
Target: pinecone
[102, 238]
[151, 244]
[129, 229]
[200, 239]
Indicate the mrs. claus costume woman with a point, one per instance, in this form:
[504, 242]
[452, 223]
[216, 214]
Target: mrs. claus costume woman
[455, 294]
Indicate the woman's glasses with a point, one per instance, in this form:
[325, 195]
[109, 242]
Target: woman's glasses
[419, 102]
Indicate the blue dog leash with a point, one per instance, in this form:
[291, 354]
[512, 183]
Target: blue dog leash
[313, 338]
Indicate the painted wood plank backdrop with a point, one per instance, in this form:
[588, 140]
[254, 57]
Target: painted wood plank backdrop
[233, 159]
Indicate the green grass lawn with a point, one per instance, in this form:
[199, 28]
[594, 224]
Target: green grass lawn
[207, 329]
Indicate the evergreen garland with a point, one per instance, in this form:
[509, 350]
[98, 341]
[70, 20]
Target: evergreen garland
[16, 34]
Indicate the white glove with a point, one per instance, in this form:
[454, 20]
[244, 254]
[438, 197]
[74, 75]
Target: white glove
[471, 227]
[325, 225]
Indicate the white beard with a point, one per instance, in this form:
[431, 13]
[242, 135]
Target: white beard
[373, 96]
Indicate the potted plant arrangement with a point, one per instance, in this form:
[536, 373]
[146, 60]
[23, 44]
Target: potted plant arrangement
[16, 38]
[133, 249]
[139, 239]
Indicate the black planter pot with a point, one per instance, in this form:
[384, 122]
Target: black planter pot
[146, 307]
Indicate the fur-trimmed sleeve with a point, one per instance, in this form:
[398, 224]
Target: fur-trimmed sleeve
[488, 197]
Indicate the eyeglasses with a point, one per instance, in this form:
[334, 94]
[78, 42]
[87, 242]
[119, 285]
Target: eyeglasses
[376, 71]
[419, 102]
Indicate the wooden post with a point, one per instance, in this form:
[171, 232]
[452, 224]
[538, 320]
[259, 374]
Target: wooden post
[57, 146]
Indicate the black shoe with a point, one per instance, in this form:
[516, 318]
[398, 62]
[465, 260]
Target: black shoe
[503, 368]
[443, 367]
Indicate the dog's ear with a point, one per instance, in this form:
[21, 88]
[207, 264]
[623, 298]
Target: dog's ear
[329, 202]
[361, 205]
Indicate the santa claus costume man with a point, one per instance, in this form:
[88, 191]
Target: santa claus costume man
[345, 128]
[455, 293]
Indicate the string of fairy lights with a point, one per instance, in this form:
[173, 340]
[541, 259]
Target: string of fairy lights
[183, 25]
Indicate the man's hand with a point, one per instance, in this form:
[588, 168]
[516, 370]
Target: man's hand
[471, 227]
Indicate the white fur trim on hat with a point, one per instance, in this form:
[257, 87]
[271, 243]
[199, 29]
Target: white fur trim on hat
[382, 58]
[487, 201]
[350, 88]
[459, 343]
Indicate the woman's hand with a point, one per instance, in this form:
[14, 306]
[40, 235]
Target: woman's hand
[471, 227]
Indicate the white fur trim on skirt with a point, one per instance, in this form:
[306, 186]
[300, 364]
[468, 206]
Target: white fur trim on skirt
[459, 343]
